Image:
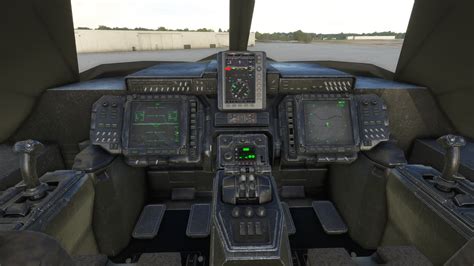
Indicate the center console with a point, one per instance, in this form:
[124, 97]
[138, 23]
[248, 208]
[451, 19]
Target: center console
[247, 218]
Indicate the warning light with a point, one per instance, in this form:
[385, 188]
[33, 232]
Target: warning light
[228, 68]
[245, 149]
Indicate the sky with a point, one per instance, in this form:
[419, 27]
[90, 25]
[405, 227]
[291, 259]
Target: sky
[318, 16]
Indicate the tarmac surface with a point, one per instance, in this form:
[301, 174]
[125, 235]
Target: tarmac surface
[381, 53]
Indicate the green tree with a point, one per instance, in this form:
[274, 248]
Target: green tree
[102, 27]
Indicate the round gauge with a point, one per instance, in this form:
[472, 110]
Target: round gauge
[240, 89]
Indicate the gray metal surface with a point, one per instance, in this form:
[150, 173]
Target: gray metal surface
[199, 223]
[329, 217]
[290, 225]
[149, 223]
[383, 54]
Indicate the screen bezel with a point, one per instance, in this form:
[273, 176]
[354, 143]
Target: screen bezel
[304, 147]
[162, 152]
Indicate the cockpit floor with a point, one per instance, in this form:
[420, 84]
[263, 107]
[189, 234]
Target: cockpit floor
[310, 234]
[172, 238]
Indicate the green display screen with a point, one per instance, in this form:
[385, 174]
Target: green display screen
[328, 123]
[246, 153]
[155, 125]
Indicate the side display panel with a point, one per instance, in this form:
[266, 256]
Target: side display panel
[150, 130]
[162, 130]
[323, 128]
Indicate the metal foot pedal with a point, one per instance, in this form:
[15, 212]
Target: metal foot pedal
[329, 217]
[149, 222]
[290, 225]
[199, 222]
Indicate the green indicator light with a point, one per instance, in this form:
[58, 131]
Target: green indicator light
[341, 104]
[245, 149]
[327, 124]
[139, 116]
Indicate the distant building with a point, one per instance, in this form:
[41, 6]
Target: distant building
[92, 41]
[371, 37]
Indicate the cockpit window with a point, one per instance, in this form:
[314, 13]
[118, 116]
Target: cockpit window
[364, 31]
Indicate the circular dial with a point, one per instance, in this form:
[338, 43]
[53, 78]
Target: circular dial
[240, 89]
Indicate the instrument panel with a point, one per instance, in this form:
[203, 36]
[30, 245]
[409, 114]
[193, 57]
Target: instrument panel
[241, 80]
[315, 118]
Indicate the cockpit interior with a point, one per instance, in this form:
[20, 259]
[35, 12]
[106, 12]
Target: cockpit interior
[238, 159]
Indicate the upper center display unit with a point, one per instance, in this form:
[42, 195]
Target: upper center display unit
[241, 80]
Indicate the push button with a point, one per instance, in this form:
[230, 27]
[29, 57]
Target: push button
[248, 212]
[236, 212]
[242, 229]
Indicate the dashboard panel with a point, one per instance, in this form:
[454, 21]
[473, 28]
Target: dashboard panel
[170, 116]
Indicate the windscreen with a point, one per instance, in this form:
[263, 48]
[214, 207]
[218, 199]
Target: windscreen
[155, 125]
[328, 123]
[363, 31]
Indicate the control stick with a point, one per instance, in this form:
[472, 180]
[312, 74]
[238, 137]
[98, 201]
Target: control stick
[29, 151]
[452, 158]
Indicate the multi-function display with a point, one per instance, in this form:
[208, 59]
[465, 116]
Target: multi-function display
[328, 123]
[155, 125]
[246, 153]
[240, 79]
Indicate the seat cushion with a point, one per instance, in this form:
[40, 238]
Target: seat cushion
[31, 248]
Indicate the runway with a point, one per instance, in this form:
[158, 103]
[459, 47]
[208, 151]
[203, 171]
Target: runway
[381, 53]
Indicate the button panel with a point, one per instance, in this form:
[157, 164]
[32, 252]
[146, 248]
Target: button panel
[250, 229]
[316, 85]
[290, 112]
[106, 123]
[205, 86]
[373, 120]
[229, 146]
